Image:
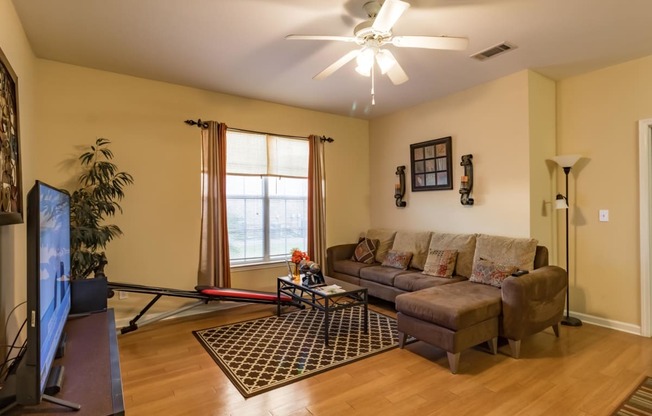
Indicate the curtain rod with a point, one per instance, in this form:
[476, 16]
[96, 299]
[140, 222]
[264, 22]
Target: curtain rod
[204, 125]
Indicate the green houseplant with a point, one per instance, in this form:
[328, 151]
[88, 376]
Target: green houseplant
[101, 188]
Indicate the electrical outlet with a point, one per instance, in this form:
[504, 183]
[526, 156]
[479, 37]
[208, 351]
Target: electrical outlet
[123, 295]
[604, 215]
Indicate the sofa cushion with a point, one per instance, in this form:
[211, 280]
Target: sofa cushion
[416, 243]
[416, 280]
[440, 263]
[349, 267]
[489, 273]
[509, 251]
[365, 251]
[385, 239]
[397, 259]
[463, 243]
[455, 306]
[380, 274]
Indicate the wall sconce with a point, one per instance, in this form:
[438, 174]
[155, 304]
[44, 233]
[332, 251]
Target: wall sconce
[399, 189]
[561, 202]
[466, 184]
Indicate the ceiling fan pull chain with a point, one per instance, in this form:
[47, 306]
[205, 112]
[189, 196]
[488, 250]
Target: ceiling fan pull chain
[373, 93]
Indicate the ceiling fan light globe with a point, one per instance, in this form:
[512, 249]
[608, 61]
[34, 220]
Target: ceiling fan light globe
[366, 57]
[365, 71]
[386, 61]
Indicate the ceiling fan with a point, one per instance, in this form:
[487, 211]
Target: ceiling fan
[374, 34]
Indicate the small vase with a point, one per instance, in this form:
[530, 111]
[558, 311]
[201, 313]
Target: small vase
[296, 275]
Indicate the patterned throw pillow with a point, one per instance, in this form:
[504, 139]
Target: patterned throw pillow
[365, 250]
[397, 259]
[440, 263]
[489, 273]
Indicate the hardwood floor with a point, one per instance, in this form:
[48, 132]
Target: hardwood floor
[587, 371]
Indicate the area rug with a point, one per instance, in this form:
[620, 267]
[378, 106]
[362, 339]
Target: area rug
[267, 353]
[640, 402]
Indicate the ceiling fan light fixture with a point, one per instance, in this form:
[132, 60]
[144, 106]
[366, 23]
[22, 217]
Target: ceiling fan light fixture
[386, 60]
[365, 71]
[365, 61]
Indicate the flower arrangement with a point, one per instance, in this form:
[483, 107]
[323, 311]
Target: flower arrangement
[298, 256]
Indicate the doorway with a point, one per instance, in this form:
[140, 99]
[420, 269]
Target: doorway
[645, 212]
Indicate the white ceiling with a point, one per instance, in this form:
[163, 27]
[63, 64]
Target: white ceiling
[238, 46]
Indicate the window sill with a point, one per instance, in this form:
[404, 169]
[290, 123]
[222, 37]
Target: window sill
[258, 266]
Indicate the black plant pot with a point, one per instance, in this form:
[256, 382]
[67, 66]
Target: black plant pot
[88, 295]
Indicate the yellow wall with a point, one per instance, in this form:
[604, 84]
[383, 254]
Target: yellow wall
[490, 121]
[12, 237]
[597, 118]
[144, 121]
[542, 126]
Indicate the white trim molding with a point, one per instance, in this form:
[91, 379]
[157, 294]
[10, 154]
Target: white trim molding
[645, 180]
[608, 323]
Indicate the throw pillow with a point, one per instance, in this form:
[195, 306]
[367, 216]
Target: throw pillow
[489, 273]
[397, 259]
[440, 263]
[365, 250]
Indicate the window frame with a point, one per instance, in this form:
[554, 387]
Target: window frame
[266, 198]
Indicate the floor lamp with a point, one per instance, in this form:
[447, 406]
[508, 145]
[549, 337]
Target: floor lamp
[561, 202]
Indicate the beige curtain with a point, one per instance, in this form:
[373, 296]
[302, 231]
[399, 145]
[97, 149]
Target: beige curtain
[317, 202]
[214, 264]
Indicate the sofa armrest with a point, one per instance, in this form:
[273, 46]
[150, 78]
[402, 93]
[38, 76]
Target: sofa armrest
[340, 252]
[533, 301]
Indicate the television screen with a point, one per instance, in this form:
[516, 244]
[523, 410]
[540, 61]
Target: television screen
[48, 287]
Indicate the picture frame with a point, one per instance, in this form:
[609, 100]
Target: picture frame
[432, 165]
[11, 187]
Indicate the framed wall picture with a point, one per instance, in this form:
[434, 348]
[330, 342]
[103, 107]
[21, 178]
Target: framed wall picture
[432, 165]
[11, 189]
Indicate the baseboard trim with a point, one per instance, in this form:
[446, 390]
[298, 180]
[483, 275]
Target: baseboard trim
[609, 323]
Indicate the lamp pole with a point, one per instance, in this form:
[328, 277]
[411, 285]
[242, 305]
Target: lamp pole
[568, 320]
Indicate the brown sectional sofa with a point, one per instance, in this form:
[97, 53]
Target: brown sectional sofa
[455, 313]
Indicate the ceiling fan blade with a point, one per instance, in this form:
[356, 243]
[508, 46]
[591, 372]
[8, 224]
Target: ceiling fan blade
[430, 42]
[395, 72]
[388, 14]
[337, 64]
[321, 37]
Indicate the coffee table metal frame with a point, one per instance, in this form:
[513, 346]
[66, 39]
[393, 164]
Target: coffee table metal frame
[352, 296]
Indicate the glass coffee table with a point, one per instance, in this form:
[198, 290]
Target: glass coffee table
[332, 296]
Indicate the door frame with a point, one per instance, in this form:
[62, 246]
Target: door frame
[645, 181]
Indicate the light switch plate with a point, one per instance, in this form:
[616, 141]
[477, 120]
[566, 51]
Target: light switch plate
[604, 215]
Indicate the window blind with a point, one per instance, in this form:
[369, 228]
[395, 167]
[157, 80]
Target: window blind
[267, 155]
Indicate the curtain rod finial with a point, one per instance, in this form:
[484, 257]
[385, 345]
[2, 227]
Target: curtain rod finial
[326, 139]
[198, 123]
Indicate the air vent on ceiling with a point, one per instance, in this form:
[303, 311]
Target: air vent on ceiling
[494, 51]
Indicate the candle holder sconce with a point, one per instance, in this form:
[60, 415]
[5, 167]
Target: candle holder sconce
[399, 189]
[466, 184]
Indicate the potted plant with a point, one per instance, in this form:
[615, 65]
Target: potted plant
[101, 188]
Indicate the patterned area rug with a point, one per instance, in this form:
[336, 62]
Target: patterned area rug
[264, 354]
[640, 402]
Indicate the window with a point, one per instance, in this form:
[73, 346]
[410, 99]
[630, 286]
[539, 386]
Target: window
[267, 196]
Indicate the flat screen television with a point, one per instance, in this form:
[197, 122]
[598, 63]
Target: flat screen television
[48, 290]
